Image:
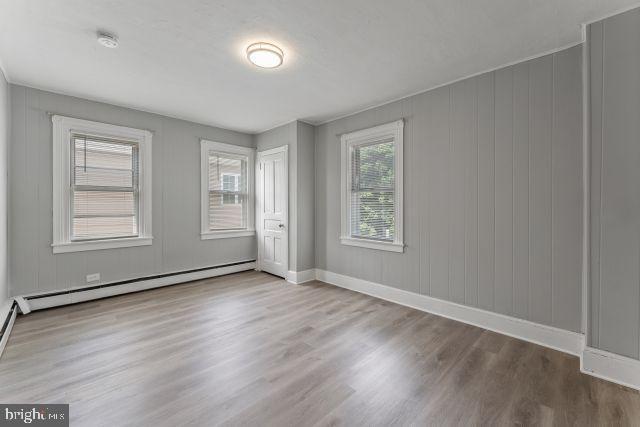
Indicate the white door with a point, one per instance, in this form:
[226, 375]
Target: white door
[273, 200]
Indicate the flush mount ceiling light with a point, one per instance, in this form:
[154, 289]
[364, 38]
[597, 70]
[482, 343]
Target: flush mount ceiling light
[265, 55]
[108, 40]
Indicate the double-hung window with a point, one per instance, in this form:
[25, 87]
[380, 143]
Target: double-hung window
[102, 186]
[372, 188]
[227, 190]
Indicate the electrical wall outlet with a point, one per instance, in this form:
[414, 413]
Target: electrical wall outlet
[95, 277]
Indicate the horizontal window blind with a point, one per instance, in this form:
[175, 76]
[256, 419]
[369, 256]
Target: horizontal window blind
[227, 179]
[372, 191]
[104, 188]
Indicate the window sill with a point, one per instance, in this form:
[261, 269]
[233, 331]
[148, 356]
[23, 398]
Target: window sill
[227, 234]
[94, 245]
[373, 244]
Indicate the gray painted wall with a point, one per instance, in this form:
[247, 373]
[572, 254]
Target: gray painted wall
[4, 142]
[305, 198]
[614, 55]
[176, 200]
[493, 193]
[299, 137]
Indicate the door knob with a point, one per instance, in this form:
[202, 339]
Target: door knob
[281, 225]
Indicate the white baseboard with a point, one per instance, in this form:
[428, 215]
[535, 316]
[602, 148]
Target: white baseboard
[611, 367]
[5, 310]
[74, 295]
[298, 277]
[599, 363]
[548, 336]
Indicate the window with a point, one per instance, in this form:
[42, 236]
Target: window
[231, 188]
[102, 186]
[372, 188]
[227, 190]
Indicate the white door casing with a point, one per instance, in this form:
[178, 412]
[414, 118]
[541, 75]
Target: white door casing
[272, 173]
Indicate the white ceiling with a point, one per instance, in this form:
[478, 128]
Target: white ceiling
[185, 58]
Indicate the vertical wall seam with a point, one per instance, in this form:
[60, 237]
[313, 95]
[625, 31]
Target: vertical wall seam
[493, 274]
[163, 240]
[315, 195]
[7, 173]
[449, 195]
[464, 216]
[464, 223]
[9, 136]
[513, 198]
[420, 222]
[38, 224]
[601, 183]
[553, 124]
[529, 191]
[428, 219]
[586, 183]
[477, 142]
[24, 135]
[28, 97]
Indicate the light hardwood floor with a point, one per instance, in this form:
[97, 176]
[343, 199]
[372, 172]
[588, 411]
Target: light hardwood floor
[250, 349]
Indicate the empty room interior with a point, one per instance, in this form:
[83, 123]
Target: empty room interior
[315, 213]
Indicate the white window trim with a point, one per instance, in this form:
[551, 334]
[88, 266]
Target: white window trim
[63, 127]
[205, 147]
[392, 130]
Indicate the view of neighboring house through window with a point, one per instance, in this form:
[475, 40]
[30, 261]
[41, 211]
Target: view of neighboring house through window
[227, 191]
[227, 198]
[231, 188]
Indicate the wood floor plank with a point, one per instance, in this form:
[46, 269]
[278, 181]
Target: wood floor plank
[250, 349]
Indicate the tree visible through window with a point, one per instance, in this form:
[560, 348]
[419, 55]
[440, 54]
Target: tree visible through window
[372, 192]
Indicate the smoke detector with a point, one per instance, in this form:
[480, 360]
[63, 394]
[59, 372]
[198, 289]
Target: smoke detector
[108, 40]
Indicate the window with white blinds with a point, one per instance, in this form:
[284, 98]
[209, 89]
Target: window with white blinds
[372, 188]
[104, 189]
[227, 199]
[227, 191]
[102, 186]
[372, 191]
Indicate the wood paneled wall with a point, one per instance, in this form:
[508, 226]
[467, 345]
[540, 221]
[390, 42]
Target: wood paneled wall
[492, 190]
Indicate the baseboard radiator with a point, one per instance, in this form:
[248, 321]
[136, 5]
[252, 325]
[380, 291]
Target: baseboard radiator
[7, 322]
[86, 293]
[38, 301]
